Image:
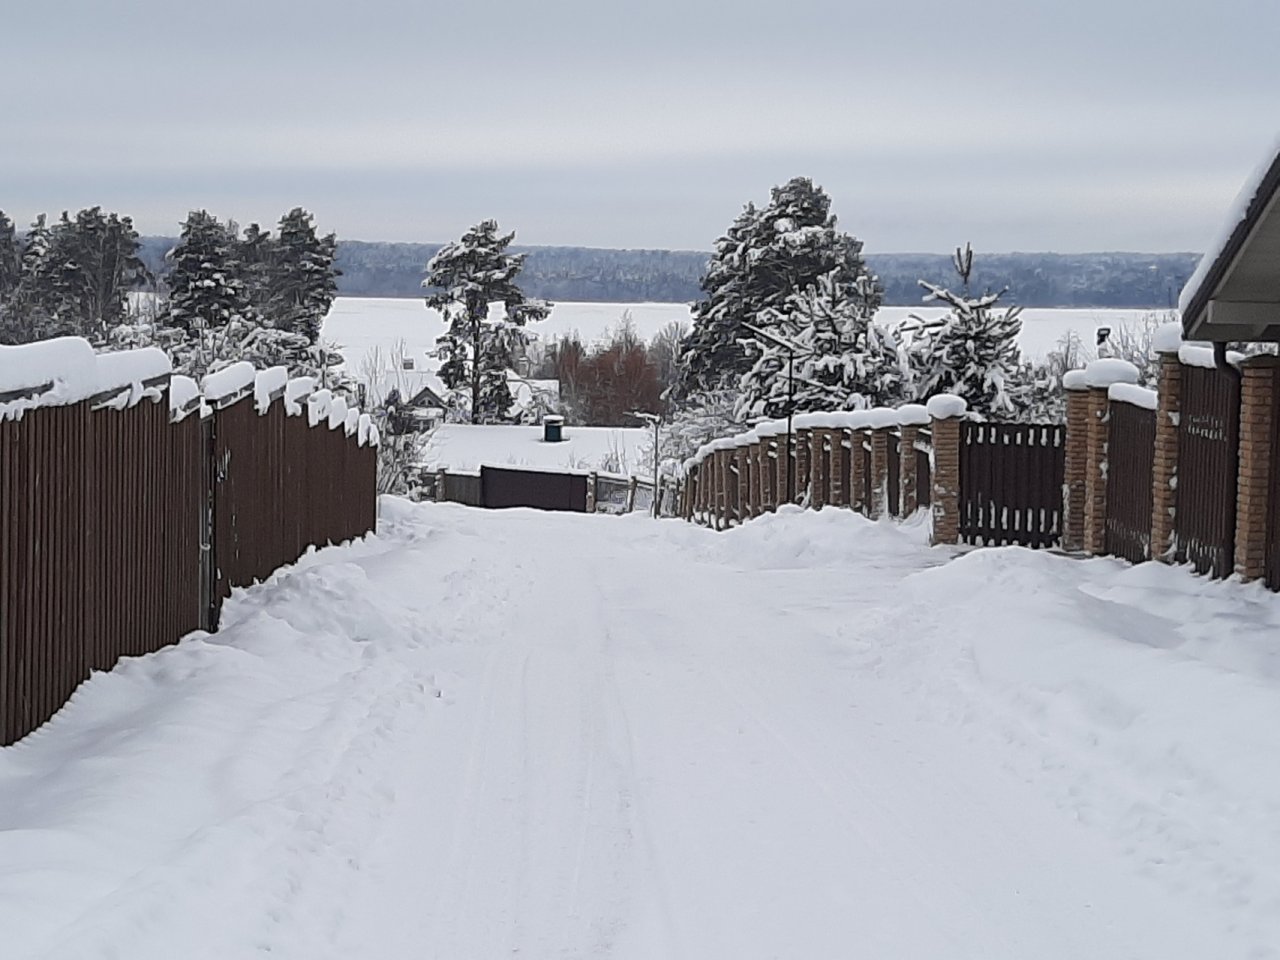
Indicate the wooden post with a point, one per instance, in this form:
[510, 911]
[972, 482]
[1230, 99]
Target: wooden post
[632, 483]
[440, 485]
[591, 493]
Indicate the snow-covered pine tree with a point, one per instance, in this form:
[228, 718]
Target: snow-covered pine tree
[255, 250]
[765, 257]
[972, 351]
[842, 361]
[303, 277]
[206, 291]
[10, 276]
[104, 251]
[466, 276]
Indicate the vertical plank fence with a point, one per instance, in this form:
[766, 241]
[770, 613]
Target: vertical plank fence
[1208, 438]
[1131, 443]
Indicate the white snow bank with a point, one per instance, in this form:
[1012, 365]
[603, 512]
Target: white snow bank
[1167, 338]
[1108, 370]
[1130, 393]
[267, 384]
[1238, 212]
[228, 382]
[945, 406]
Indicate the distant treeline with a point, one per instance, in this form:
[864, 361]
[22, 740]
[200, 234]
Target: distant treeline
[1137, 280]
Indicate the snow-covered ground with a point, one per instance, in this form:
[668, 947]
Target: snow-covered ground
[495, 734]
[463, 447]
[361, 325]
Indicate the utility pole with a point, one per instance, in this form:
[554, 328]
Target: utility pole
[655, 420]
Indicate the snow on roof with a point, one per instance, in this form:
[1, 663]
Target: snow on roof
[465, 447]
[1237, 218]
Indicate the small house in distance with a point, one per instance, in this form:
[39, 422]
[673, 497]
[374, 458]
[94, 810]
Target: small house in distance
[412, 395]
[1235, 292]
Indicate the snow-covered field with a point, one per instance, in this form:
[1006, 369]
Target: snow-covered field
[362, 324]
[496, 734]
[463, 447]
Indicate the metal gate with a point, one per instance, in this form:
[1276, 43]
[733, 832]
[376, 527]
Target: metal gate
[502, 487]
[1011, 483]
[1204, 525]
[1131, 448]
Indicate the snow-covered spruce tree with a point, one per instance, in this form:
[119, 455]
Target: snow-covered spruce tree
[840, 360]
[10, 276]
[466, 276]
[972, 351]
[206, 290]
[303, 279]
[255, 250]
[765, 257]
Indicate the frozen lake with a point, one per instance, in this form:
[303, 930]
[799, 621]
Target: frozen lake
[362, 325]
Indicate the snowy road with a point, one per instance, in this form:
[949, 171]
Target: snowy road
[486, 735]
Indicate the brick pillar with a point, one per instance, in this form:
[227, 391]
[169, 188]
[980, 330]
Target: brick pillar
[857, 455]
[782, 463]
[945, 495]
[1164, 471]
[839, 492]
[908, 498]
[1095, 472]
[804, 450]
[753, 479]
[741, 458]
[718, 499]
[1075, 455]
[818, 472]
[879, 494]
[1259, 389]
[768, 475]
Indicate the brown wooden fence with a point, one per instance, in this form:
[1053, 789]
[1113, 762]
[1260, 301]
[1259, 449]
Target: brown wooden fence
[1011, 483]
[108, 544]
[1131, 440]
[1208, 438]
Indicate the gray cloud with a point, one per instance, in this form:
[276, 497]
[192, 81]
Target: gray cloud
[1118, 125]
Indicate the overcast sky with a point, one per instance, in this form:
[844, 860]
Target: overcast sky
[1017, 125]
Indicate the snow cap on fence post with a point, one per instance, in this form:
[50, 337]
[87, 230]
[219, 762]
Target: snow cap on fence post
[53, 372]
[1109, 370]
[1167, 338]
[268, 386]
[944, 406]
[229, 383]
[318, 405]
[1075, 380]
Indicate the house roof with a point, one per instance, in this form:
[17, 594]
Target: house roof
[1235, 292]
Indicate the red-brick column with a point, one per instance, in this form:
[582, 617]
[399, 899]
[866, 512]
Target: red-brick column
[908, 497]
[818, 473]
[1164, 471]
[804, 451]
[1095, 476]
[1075, 455]
[1259, 390]
[768, 475]
[878, 501]
[839, 489]
[742, 455]
[858, 494]
[722, 489]
[946, 480]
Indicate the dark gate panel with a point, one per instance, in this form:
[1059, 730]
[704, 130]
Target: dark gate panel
[924, 469]
[1204, 524]
[502, 487]
[1011, 483]
[1131, 443]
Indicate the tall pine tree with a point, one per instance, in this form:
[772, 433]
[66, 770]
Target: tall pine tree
[766, 257]
[206, 290]
[466, 276]
[303, 277]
